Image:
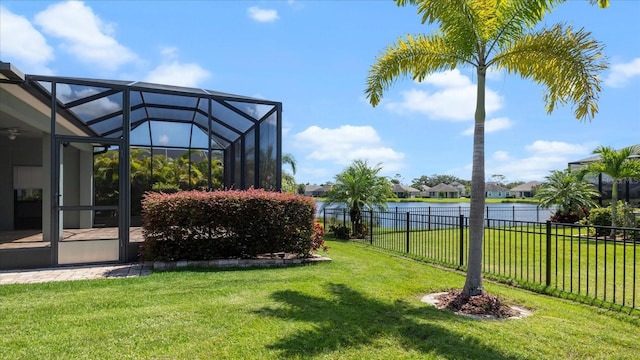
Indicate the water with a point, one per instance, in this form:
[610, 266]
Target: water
[497, 211]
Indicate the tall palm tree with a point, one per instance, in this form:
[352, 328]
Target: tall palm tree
[360, 188]
[619, 165]
[569, 192]
[485, 34]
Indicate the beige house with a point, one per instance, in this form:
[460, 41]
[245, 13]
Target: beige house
[525, 190]
[404, 191]
[316, 190]
[444, 191]
[495, 191]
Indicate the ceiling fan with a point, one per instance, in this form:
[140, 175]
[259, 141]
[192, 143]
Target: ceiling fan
[12, 133]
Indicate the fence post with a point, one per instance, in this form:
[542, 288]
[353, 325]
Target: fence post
[548, 253]
[461, 240]
[488, 224]
[513, 216]
[395, 220]
[429, 218]
[324, 218]
[371, 227]
[408, 214]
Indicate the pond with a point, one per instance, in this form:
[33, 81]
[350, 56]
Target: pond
[497, 211]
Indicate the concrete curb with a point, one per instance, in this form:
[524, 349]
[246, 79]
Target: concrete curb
[236, 263]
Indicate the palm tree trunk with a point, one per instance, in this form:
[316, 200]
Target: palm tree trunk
[473, 285]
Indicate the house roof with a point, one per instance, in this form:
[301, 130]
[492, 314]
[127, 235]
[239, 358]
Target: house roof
[526, 186]
[313, 188]
[444, 187]
[494, 187]
[404, 188]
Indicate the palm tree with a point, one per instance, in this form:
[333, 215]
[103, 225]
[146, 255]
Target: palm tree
[569, 192]
[288, 180]
[360, 188]
[619, 165]
[501, 35]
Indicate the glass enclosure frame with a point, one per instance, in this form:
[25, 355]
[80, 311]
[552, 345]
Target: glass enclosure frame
[247, 131]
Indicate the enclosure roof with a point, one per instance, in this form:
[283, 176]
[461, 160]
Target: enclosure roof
[204, 117]
[597, 157]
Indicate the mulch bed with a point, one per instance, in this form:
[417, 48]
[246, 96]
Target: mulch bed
[484, 305]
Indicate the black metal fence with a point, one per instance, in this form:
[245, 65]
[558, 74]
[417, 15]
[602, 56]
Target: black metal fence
[577, 260]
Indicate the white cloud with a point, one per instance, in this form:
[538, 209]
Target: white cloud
[262, 15]
[621, 74]
[21, 42]
[454, 100]
[173, 72]
[347, 143]
[542, 157]
[557, 147]
[178, 74]
[163, 139]
[449, 78]
[169, 52]
[84, 34]
[492, 125]
[93, 109]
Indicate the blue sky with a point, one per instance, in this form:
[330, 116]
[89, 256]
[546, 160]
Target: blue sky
[314, 57]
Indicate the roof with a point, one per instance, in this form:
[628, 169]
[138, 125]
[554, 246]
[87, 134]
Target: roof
[526, 186]
[155, 111]
[444, 188]
[404, 188]
[494, 187]
[314, 188]
[597, 157]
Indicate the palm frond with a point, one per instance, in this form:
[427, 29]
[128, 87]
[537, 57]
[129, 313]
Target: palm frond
[418, 56]
[565, 61]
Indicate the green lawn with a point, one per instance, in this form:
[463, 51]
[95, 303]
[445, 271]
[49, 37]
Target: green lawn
[579, 264]
[363, 305]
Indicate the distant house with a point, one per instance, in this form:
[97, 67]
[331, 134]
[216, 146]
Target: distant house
[460, 187]
[316, 190]
[424, 190]
[444, 191]
[525, 190]
[495, 191]
[404, 191]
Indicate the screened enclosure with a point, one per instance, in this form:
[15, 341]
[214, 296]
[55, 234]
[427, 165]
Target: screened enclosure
[104, 143]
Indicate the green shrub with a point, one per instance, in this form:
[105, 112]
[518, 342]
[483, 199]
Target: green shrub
[602, 217]
[340, 231]
[599, 217]
[199, 225]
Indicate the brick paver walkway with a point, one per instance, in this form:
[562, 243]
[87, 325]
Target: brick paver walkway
[84, 272]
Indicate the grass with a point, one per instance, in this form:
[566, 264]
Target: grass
[363, 305]
[579, 265]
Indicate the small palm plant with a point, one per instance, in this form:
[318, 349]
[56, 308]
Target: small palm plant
[619, 165]
[570, 192]
[361, 188]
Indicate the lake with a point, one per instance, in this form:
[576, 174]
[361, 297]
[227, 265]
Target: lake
[497, 211]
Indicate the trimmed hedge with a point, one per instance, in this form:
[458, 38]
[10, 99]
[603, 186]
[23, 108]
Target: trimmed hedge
[199, 225]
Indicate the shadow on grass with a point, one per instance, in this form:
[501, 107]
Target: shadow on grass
[351, 320]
